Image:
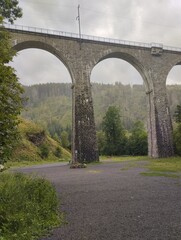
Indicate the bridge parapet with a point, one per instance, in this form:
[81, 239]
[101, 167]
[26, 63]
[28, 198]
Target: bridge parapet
[75, 35]
[89, 37]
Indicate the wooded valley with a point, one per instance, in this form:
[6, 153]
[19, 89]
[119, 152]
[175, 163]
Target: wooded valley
[50, 104]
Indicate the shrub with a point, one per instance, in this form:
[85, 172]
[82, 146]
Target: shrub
[44, 151]
[58, 152]
[28, 207]
[138, 143]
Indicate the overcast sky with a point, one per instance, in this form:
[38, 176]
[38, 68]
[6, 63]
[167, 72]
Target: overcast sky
[135, 20]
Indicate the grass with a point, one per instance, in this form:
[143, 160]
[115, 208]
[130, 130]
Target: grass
[160, 174]
[165, 167]
[28, 207]
[123, 158]
[172, 164]
[30, 149]
[15, 164]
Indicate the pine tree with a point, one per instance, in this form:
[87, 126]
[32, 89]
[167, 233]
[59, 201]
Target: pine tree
[114, 132]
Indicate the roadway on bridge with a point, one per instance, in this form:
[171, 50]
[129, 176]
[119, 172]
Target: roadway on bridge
[112, 202]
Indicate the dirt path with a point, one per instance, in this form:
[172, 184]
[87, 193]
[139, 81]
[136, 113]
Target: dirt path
[103, 202]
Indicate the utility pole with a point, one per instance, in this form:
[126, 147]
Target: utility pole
[78, 18]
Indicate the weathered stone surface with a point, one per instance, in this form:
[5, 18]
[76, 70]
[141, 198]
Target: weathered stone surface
[152, 63]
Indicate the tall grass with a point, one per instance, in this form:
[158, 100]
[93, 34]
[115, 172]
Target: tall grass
[28, 207]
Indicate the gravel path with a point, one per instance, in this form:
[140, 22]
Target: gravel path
[103, 202]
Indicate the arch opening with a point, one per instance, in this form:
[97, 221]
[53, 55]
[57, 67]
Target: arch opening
[35, 66]
[117, 82]
[173, 83]
[47, 83]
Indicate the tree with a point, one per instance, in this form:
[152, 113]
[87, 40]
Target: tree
[114, 133]
[101, 142]
[177, 114]
[64, 139]
[177, 130]
[138, 143]
[10, 88]
[177, 139]
[10, 10]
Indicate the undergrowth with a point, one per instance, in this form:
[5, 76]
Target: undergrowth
[28, 207]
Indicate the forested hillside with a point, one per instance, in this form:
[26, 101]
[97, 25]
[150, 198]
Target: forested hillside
[50, 104]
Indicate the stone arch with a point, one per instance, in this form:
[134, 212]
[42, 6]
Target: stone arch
[43, 46]
[133, 61]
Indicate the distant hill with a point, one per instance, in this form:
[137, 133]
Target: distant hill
[50, 104]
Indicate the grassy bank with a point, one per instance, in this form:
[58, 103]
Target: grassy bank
[35, 146]
[28, 207]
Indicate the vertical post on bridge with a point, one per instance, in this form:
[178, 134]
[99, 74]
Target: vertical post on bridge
[78, 18]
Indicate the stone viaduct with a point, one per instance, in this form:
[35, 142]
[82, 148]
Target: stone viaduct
[152, 61]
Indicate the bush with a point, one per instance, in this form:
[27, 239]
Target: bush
[137, 143]
[44, 151]
[58, 152]
[28, 207]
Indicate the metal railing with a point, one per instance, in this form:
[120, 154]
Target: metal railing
[89, 37]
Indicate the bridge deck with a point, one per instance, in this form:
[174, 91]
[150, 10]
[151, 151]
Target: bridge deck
[57, 33]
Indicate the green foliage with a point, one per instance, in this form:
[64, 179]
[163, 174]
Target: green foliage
[114, 133]
[101, 142]
[10, 99]
[177, 114]
[130, 100]
[58, 152]
[34, 145]
[10, 10]
[44, 151]
[64, 139]
[28, 207]
[55, 98]
[138, 143]
[177, 139]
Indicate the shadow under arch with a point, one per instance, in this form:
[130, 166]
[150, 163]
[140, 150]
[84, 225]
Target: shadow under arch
[134, 62]
[43, 46]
